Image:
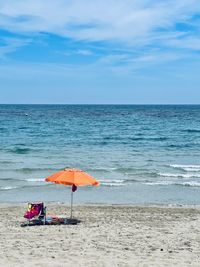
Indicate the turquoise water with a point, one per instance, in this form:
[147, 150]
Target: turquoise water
[140, 154]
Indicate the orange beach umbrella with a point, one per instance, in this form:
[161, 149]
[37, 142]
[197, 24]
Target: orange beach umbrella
[74, 178]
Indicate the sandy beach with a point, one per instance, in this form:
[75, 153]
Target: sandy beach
[107, 236]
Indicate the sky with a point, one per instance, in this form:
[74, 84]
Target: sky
[100, 51]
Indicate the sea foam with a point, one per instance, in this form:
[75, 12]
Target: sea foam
[188, 168]
[180, 175]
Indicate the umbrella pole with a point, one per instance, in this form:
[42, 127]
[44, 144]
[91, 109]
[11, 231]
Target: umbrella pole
[71, 204]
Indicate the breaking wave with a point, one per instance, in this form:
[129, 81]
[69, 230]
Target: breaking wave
[164, 183]
[180, 175]
[188, 168]
[117, 182]
[8, 187]
[35, 180]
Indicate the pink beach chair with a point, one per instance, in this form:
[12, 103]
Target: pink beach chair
[36, 212]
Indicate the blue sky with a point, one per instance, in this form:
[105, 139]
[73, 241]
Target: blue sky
[100, 51]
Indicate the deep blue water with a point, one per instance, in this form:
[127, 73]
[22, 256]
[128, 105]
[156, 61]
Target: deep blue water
[140, 154]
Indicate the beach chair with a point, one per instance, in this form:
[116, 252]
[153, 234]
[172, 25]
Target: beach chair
[36, 213]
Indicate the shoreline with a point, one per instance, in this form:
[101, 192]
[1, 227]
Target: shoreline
[85, 204]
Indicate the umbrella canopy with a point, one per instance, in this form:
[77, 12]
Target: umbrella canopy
[74, 178]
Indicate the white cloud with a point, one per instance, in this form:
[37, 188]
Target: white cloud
[10, 45]
[130, 21]
[84, 52]
[129, 63]
[189, 42]
[127, 26]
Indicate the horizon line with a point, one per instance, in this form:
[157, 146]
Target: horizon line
[107, 104]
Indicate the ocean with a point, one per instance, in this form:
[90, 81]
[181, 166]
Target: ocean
[141, 154]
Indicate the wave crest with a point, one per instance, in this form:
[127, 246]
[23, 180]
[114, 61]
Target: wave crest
[188, 168]
[179, 175]
[165, 183]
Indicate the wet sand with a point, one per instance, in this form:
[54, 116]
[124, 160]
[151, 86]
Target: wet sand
[107, 236]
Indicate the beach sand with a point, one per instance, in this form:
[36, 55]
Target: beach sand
[107, 236]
